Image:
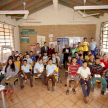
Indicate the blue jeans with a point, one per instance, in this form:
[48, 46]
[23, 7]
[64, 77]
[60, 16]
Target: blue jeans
[106, 81]
[93, 52]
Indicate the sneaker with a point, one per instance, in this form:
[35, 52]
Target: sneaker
[22, 87]
[52, 89]
[102, 92]
[11, 91]
[48, 89]
[67, 92]
[74, 91]
[6, 92]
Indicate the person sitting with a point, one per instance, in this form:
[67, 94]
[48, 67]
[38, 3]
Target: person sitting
[73, 50]
[58, 59]
[21, 58]
[91, 61]
[29, 60]
[55, 61]
[80, 52]
[32, 57]
[39, 71]
[16, 54]
[25, 54]
[105, 68]
[87, 56]
[50, 71]
[80, 60]
[45, 59]
[73, 68]
[96, 73]
[11, 71]
[40, 56]
[26, 73]
[76, 55]
[84, 73]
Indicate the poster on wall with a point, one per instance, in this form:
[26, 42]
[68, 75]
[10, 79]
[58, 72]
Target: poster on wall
[63, 41]
[24, 39]
[32, 47]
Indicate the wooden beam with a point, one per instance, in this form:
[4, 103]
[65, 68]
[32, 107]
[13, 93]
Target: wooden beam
[7, 4]
[106, 1]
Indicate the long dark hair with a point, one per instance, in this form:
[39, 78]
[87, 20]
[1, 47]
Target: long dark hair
[12, 66]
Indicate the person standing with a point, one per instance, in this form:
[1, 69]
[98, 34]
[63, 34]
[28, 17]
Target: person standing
[37, 50]
[45, 48]
[93, 46]
[85, 46]
[84, 73]
[51, 50]
[58, 49]
[66, 52]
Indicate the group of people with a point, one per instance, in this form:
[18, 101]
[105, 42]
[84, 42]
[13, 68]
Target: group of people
[81, 62]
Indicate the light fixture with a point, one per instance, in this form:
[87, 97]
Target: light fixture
[90, 7]
[26, 12]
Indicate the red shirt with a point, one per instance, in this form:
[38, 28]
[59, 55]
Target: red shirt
[105, 63]
[73, 68]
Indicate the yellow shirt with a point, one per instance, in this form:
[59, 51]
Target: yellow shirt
[17, 63]
[80, 48]
[85, 47]
[87, 57]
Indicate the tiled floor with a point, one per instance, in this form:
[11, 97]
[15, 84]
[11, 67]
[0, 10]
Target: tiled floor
[39, 97]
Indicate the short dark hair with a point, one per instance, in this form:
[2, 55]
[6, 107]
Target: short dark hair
[90, 54]
[27, 54]
[92, 38]
[75, 52]
[40, 59]
[17, 51]
[24, 60]
[84, 61]
[69, 56]
[56, 52]
[50, 59]
[104, 55]
[44, 42]
[73, 58]
[53, 53]
[97, 58]
[45, 52]
[37, 43]
[17, 57]
[84, 38]
[80, 55]
[79, 42]
[31, 51]
[58, 41]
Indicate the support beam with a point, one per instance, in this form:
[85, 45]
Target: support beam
[55, 3]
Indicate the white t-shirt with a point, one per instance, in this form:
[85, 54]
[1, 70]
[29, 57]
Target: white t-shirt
[84, 72]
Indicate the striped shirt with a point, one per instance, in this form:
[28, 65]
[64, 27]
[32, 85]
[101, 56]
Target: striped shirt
[96, 69]
[73, 68]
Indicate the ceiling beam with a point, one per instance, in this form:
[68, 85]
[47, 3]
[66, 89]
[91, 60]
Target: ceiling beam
[55, 3]
[2, 2]
[106, 1]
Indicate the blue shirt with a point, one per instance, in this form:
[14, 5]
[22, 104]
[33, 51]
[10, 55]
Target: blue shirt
[33, 58]
[54, 60]
[58, 58]
[79, 61]
[93, 45]
[39, 67]
[26, 68]
[50, 68]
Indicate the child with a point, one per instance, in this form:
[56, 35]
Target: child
[11, 71]
[17, 63]
[87, 56]
[25, 54]
[26, 72]
[73, 50]
[45, 59]
[84, 73]
[16, 54]
[39, 71]
[80, 60]
[29, 60]
[50, 71]
[55, 61]
[58, 58]
[32, 57]
[79, 46]
[76, 55]
[73, 67]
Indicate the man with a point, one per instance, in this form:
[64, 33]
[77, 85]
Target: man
[66, 52]
[84, 73]
[73, 68]
[58, 49]
[37, 50]
[73, 50]
[85, 46]
[93, 46]
[96, 73]
[45, 48]
[32, 57]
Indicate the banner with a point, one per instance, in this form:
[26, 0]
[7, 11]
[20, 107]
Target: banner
[28, 31]
[24, 39]
[32, 47]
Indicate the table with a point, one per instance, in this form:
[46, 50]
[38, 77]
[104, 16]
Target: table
[2, 95]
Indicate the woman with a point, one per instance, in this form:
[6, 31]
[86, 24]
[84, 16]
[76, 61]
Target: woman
[11, 71]
[51, 50]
